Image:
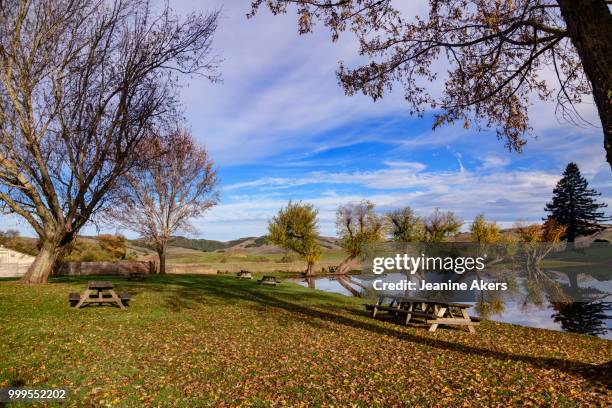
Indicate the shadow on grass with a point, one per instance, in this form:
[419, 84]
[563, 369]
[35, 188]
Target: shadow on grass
[184, 291]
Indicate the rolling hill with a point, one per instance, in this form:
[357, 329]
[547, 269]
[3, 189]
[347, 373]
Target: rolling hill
[246, 245]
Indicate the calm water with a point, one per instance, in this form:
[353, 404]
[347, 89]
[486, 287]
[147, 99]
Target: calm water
[589, 318]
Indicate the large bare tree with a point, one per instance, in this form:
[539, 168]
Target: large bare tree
[495, 52]
[162, 196]
[358, 226]
[82, 85]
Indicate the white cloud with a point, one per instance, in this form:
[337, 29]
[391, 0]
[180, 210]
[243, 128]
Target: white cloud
[416, 167]
[494, 161]
[505, 197]
[279, 89]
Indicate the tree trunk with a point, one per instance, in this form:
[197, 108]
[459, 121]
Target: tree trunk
[161, 253]
[344, 282]
[43, 264]
[345, 266]
[589, 25]
[573, 281]
[310, 269]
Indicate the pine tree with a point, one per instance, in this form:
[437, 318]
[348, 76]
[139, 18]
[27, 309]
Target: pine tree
[574, 205]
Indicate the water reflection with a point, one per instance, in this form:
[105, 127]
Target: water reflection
[353, 286]
[590, 310]
[592, 315]
[582, 317]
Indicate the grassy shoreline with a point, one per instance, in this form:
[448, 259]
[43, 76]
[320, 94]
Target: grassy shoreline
[221, 341]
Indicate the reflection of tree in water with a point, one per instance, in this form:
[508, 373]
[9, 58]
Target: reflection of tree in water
[589, 311]
[354, 287]
[530, 281]
[351, 285]
[583, 317]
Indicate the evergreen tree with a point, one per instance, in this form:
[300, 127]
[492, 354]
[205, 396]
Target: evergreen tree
[574, 205]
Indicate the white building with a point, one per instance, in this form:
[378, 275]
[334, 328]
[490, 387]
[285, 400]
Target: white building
[13, 263]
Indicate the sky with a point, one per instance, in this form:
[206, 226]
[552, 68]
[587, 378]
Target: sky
[280, 128]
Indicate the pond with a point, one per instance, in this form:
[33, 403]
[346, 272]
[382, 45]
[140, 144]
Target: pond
[594, 318]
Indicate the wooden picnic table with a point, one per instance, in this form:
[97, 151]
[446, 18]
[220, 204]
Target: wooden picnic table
[136, 276]
[100, 292]
[245, 274]
[268, 280]
[432, 312]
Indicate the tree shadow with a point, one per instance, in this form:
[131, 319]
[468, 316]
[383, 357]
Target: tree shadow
[184, 291]
[272, 298]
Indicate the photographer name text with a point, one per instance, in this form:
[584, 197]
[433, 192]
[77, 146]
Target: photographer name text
[438, 286]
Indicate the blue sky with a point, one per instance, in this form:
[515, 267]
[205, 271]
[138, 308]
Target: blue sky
[279, 127]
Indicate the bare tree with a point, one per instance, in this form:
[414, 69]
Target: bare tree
[405, 226]
[358, 225]
[495, 51]
[82, 85]
[159, 198]
[441, 225]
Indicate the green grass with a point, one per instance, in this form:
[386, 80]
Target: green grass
[220, 341]
[255, 262]
[594, 260]
[183, 255]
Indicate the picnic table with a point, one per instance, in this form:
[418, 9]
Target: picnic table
[99, 292]
[136, 276]
[432, 312]
[245, 274]
[268, 280]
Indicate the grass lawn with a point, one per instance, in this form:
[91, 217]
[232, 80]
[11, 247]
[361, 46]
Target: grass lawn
[594, 260]
[234, 262]
[216, 340]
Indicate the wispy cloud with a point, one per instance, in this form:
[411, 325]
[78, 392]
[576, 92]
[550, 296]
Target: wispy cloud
[506, 197]
[494, 161]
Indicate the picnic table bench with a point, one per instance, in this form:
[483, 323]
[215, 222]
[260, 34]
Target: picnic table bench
[99, 292]
[432, 312]
[268, 280]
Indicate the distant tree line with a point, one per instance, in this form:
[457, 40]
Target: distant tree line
[104, 247]
[574, 212]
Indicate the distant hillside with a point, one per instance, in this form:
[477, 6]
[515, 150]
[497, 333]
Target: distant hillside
[247, 244]
[206, 245]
